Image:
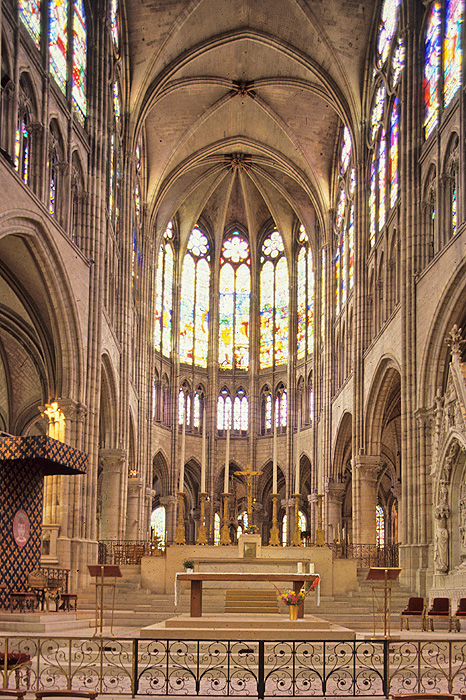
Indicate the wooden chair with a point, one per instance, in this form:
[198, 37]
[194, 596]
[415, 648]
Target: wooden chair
[460, 612]
[440, 608]
[26, 600]
[90, 694]
[17, 661]
[415, 608]
[69, 601]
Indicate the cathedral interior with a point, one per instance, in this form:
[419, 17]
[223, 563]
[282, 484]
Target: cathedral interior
[232, 239]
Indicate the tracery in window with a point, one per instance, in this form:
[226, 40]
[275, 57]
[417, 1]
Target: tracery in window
[22, 147]
[194, 305]
[198, 409]
[281, 408]
[78, 84]
[305, 296]
[184, 405]
[387, 28]
[240, 412]
[58, 41]
[163, 294]
[234, 304]
[29, 12]
[224, 411]
[274, 302]
[266, 411]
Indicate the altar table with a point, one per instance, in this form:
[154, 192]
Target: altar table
[298, 581]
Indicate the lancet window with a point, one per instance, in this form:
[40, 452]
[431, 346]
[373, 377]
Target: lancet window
[224, 411]
[240, 413]
[184, 405]
[384, 126]
[274, 302]
[305, 296]
[163, 294]
[194, 305]
[234, 304]
[344, 223]
[442, 59]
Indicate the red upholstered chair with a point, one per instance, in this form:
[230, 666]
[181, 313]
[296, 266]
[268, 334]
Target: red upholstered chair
[415, 608]
[440, 608]
[460, 612]
[17, 661]
[424, 696]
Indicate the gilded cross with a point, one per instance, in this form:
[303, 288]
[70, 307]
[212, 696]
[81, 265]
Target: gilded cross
[248, 473]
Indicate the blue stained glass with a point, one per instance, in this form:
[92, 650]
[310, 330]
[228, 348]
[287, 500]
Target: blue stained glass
[58, 41]
[310, 302]
[382, 179]
[78, 88]
[432, 69]
[387, 29]
[29, 11]
[452, 50]
[194, 304]
[114, 23]
[301, 304]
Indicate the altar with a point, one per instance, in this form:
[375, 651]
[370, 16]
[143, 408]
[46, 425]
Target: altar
[298, 581]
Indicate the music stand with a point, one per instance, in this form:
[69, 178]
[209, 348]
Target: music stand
[387, 575]
[101, 572]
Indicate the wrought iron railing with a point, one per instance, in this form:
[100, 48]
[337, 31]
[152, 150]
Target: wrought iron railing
[126, 551]
[368, 555]
[232, 668]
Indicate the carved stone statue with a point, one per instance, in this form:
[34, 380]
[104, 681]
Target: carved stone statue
[441, 541]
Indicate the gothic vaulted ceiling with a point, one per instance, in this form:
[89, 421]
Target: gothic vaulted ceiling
[242, 103]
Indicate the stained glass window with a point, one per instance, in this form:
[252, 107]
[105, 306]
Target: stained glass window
[305, 297]
[78, 87]
[274, 302]
[351, 249]
[114, 23]
[394, 138]
[452, 50]
[432, 69]
[58, 41]
[240, 412]
[29, 11]
[224, 411]
[454, 212]
[234, 305]
[268, 412]
[398, 62]
[157, 524]
[372, 201]
[198, 405]
[377, 111]
[382, 179]
[184, 405]
[345, 151]
[53, 182]
[117, 102]
[344, 266]
[22, 149]
[380, 526]
[163, 299]
[194, 306]
[387, 29]
[337, 280]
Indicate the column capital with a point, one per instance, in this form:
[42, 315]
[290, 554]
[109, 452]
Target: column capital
[111, 460]
[335, 491]
[367, 466]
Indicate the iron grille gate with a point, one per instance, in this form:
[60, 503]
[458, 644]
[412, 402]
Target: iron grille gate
[233, 668]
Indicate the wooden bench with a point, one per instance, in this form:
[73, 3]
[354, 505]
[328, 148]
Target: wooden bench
[90, 694]
[13, 693]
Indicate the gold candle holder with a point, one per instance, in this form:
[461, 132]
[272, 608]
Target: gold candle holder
[296, 540]
[202, 534]
[225, 532]
[180, 537]
[274, 540]
[320, 535]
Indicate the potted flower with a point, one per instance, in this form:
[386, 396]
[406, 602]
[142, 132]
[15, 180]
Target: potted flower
[188, 565]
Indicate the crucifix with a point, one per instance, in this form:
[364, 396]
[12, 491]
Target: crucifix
[248, 473]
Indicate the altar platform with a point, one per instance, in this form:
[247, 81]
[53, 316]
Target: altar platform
[252, 627]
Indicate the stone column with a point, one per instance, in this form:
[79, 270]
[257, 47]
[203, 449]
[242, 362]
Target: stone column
[112, 463]
[365, 472]
[132, 508]
[170, 503]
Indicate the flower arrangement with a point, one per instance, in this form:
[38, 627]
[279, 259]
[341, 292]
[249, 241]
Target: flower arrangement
[251, 530]
[293, 598]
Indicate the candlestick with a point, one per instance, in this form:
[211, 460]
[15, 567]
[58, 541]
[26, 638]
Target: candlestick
[320, 535]
[180, 533]
[274, 474]
[202, 534]
[225, 538]
[183, 438]
[227, 460]
[203, 458]
[274, 540]
[296, 539]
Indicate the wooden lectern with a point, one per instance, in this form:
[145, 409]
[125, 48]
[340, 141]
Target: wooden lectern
[387, 575]
[101, 572]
